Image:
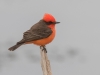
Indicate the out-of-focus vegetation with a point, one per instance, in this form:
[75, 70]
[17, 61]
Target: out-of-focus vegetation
[30, 55]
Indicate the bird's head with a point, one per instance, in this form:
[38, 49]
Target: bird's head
[49, 19]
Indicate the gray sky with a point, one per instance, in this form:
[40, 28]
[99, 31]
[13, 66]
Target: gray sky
[75, 49]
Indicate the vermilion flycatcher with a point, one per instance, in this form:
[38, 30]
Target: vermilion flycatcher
[41, 33]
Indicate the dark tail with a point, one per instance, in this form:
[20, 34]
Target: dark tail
[18, 44]
[15, 47]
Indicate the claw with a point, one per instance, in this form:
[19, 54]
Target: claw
[43, 48]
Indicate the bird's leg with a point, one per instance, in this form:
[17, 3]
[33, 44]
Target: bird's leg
[43, 48]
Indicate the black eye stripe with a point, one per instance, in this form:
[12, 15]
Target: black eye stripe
[50, 22]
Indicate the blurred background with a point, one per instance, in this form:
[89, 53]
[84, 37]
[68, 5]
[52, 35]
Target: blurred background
[75, 49]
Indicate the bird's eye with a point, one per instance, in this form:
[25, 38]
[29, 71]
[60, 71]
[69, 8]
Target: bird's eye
[49, 22]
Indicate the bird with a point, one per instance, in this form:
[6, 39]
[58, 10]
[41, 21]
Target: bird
[41, 33]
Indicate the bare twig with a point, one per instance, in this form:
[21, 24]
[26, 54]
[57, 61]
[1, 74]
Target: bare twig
[45, 64]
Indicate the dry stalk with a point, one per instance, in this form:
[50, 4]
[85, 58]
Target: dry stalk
[45, 63]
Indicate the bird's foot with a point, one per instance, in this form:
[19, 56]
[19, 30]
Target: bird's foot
[43, 48]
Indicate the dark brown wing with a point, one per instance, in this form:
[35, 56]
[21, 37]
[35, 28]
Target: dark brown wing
[36, 32]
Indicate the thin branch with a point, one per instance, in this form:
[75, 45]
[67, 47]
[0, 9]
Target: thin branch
[45, 63]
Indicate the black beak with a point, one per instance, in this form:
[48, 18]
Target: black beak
[57, 22]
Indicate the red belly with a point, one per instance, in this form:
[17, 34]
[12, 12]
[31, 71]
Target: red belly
[45, 40]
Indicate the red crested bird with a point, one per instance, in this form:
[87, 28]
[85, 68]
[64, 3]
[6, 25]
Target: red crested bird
[41, 33]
